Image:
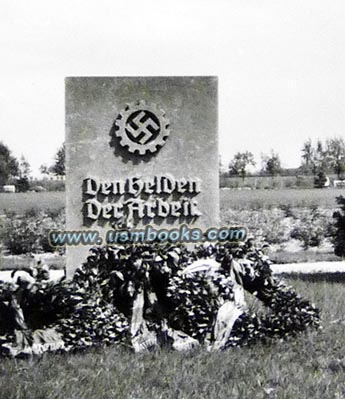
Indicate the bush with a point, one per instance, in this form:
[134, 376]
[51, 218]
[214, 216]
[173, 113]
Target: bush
[339, 234]
[320, 179]
[312, 228]
[49, 185]
[302, 182]
[288, 210]
[29, 233]
[23, 185]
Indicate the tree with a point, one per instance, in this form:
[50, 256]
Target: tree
[308, 157]
[307, 153]
[8, 164]
[59, 166]
[271, 164]
[320, 161]
[24, 174]
[44, 169]
[323, 157]
[238, 166]
[24, 167]
[336, 155]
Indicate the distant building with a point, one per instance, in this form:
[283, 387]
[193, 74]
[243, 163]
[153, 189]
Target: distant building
[9, 188]
[339, 183]
[54, 177]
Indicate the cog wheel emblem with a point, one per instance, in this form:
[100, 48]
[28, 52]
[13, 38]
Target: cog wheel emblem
[142, 127]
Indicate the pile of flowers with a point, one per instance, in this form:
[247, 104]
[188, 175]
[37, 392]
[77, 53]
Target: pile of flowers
[145, 296]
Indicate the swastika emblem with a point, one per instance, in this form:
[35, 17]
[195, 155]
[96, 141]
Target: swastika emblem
[142, 128]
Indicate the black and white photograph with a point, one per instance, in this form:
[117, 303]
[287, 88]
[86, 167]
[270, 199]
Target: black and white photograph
[172, 199]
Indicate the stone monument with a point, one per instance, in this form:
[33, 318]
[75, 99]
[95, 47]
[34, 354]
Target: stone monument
[140, 152]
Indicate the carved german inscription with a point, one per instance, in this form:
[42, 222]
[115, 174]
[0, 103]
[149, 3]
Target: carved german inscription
[125, 199]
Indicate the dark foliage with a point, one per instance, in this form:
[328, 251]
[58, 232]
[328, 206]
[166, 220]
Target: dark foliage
[339, 235]
[96, 306]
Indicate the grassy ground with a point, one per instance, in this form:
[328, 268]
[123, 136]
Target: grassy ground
[311, 366]
[21, 202]
[258, 199]
[268, 182]
[235, 199]
[303, 256]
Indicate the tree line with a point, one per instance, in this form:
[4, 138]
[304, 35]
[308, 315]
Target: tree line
[19, 171]
[317, 159]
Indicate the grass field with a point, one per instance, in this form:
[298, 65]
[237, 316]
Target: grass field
[310, 366]
[257, 199]
[235, 199]
[21, 202]
[269, 182]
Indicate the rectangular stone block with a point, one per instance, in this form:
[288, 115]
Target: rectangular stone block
[140, 151]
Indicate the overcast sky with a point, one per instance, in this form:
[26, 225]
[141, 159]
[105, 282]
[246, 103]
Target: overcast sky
[281, 65]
